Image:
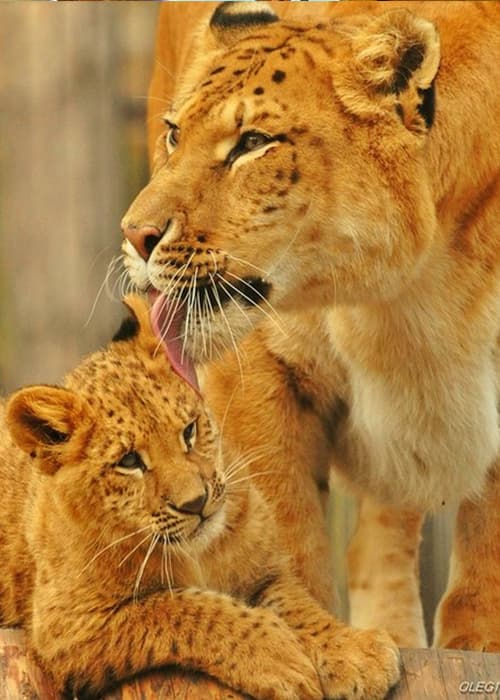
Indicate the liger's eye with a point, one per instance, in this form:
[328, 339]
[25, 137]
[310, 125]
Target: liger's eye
[130, 461]
[173, 135]
[252, 140]
[189, 436]
[249, 141]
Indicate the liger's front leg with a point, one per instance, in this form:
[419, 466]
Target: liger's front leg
[468, 616]
[383, 573]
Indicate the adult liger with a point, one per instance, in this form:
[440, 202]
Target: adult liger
[322, 221]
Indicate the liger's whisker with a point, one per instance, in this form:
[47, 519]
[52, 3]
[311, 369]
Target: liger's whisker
[115, 260]
[248, 477]
[277, 321]
[231, 334]
[223, 283]
[244, 460]
[245, 262]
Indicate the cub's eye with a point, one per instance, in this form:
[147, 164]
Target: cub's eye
[249, 141]
[189, 436]
[131, 461]
[173, 136]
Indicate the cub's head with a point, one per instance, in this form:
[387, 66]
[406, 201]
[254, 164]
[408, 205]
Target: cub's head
[126, 446]
[291, 173]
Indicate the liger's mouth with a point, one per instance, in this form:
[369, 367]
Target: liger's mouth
[174, 316]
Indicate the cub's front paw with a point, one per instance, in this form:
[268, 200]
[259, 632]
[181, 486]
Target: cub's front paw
[355, 664]
[276, 667]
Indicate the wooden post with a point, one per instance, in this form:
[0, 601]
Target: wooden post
[428, 674]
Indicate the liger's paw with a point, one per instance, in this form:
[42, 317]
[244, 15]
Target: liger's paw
[472, 642]
[356, 664]
[469, 619]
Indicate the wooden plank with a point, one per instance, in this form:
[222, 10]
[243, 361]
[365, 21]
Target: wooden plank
[428, 674]
[21, 679]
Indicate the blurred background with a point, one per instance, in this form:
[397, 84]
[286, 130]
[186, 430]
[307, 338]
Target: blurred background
[73, 86]
[73, 82]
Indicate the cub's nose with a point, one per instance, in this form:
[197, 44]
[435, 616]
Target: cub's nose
[194, 506]
[143, 238]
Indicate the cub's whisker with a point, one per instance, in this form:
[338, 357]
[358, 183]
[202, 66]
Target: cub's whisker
[113, 544]
[140, 573]
[167, 562]
[132, 551]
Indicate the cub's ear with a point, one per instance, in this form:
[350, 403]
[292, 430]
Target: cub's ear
[41, 419]
[131, 324]
[396, 57]
[137, 325]
[231, 21]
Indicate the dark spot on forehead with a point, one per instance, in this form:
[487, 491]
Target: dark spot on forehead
[217, 70]
[278, 76]
[295, 176]
[227, 15]
[258, 91]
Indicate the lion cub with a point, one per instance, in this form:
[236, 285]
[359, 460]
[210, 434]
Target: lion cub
[131, 539]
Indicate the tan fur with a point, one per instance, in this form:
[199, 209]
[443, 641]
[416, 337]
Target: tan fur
[102, 598]
[383, 572]
[376, 232]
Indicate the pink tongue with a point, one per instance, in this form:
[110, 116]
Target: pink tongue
[167, 325]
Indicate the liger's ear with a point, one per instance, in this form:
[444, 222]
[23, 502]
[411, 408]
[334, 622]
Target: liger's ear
[231, 21]
[395, 49]
[395, 58]
[42, 418]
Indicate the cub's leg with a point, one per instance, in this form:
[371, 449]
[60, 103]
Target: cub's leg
[266, 417]
[352, 664]
[468, 616]
[251, 650]
[383, 573]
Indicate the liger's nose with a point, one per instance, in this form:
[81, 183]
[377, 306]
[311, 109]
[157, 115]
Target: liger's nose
[143, 238]
[195, 506]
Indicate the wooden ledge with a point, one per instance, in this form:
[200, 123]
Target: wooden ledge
[428, 674]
